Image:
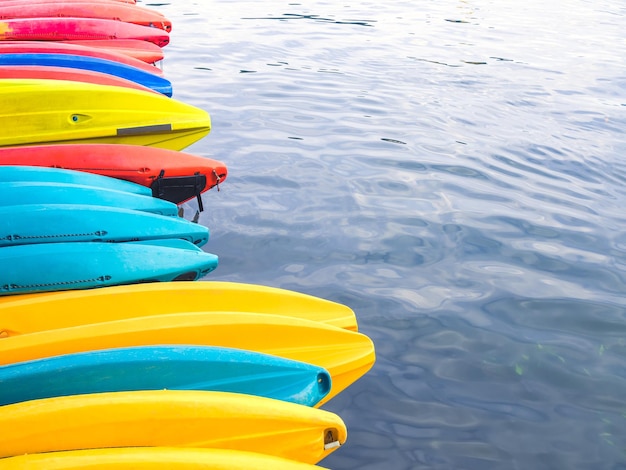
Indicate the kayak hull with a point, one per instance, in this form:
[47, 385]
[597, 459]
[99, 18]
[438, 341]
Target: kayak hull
[62, 266]
[67, 29]
[54, 112]
[36, 174]
[127, 13]
[176, 418]
[29, 224]
[164, 367]
[26, 192]
[153, 458]
[19, 2]
[29, 313]
[136, 48]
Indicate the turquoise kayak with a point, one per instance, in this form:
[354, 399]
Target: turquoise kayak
[26, 224]
[38, 174]
[46, 267]
[172, 367]
[17, 192]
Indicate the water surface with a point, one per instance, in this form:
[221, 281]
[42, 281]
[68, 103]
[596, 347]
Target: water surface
[453, 171]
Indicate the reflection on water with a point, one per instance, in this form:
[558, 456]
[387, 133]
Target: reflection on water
[317, 18]
[452, 171]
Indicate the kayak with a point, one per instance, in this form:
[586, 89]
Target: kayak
[95, 64]
[175, 418]
[68, 74]
[171, 175]
[164, 367]
[27, 224]
[24, 192]
[53, 111]
[46, 267]
[67, 29]
[58, 47]
[36, 174]
[136, 48]
[125, 12]
[346, 355]
[30, 313]
[152, 458]
[17, 2]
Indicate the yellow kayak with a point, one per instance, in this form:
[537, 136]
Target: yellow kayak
[56, 111]
[29, 313]
[346, 355]
[170, 418]
[152, 458]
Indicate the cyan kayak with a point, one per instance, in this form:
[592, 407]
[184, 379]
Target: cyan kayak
[46, 267]
[172, 367]
[18, 192]
[38, 174]
[27, 224]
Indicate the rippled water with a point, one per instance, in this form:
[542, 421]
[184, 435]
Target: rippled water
[453, 171]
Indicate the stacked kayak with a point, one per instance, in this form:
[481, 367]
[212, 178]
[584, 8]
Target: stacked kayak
[171, 367]
[189, 418]
[142, 50]
[115, 350]
[153, 458]
[69, 28]
[28, 313]
[234, 367]
[122, 235]
[127, 13]
[42, 111]
[28, 224]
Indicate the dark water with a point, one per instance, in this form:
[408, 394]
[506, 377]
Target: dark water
[453, 171]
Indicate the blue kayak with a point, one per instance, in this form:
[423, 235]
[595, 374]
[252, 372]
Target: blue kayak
[96, 64]
[18, 192]
[172, 367]
[39, 174]
[46, 267]
[26, 224]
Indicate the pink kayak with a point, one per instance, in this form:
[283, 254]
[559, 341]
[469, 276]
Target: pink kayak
[109, 10]
[142, 50]
[10, 2]
[65, 29]
[53, 47]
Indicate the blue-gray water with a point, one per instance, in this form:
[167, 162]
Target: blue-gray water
[454, 172]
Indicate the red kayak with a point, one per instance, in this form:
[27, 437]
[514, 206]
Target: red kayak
[172, 175]
[142, 50]
[69, 74]
[106, 10]
[52, 47]
[66, 29]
